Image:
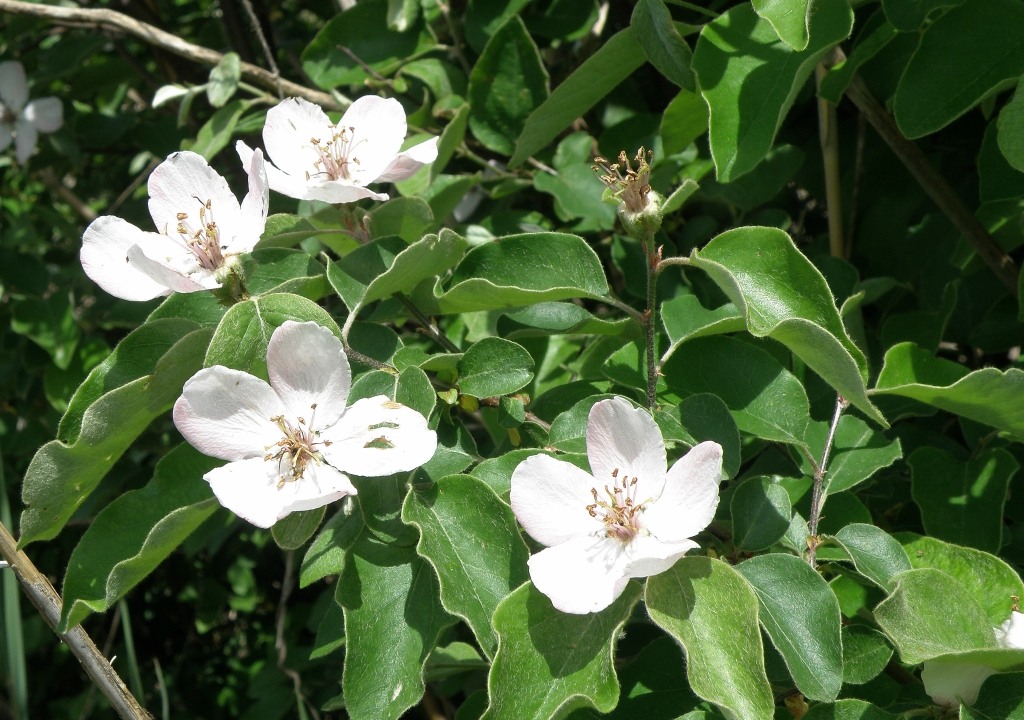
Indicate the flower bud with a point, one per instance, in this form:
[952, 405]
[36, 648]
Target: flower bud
[639, 207]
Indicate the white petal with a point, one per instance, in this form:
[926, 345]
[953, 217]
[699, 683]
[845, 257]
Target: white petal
[227, 413]
[377, 126]
[688, 503]
[183, 183]
[290, 126]
[580, 576]
[25, 137]
[307, 366]
[339, 191]
[249, 488]
[255, 204]
[104, 258]
[377, 436]
[1011, 633]
[409, 161]
[47, 114]
[192, 278]
[950, 683]
[6, 135]
[646, 555]
[291, 185]
[550, 497]
[13, 88]
[626, 440]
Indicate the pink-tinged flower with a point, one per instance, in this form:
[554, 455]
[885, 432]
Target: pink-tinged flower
[291, 443]
[629, 518]
[951, 682]
[200, 226]
[21, 120]
[316, 159]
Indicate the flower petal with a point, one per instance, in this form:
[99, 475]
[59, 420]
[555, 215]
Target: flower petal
[6, 135]
[13, 88]
[290, 126]
[950, 683]
[104, 258]
[688, 503]
[1011, 633]
[47, 114]
[550, 498]
[184, 183]
[409, 161]
[227, 414]
[293, 186]
[647, 555]
[249, 488]
[583, 575]
[307, 366]
[340, 191]
[255, 205]
[625, 440]
[377, 436]
[25, 138]
[190, 278]
[377, 128]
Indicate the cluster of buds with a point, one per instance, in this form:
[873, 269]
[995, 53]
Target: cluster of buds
[628, 184]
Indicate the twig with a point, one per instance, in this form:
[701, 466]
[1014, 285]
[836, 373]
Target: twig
[53, 183]
[46, 600]
[819, 481]
[102, 17]
[269, 56]
[429, 327]
[669, 262]
[858, 175]
[828, 137]
[287, 584]
[650, 319]
[139, 179]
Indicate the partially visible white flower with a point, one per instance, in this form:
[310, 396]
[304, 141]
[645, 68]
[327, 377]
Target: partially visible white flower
[316, 159]
[20, 120]
[291, 442]
[630, 518]
[200, 227]
[950, 683]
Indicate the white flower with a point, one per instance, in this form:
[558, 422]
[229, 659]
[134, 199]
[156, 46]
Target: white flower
[628, 519]
[318, 160]
[952, 683]
[21, 120]
[291, 442]
[200, 227]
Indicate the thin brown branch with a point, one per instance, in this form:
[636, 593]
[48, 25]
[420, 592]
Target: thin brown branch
[828, 136]
[58, 188]
[818, 491]
[101, 17]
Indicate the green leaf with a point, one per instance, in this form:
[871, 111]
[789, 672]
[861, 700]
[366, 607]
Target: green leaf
[910, 15]
[840, 75]
[61, 476]
[136, 532]
[224, 79]
[750, 78]
[49, 322]
[963, 56]
[415, 391]
[650, 684]
[724, 655]
[507, 83]
[470, 538]
[990, 396]
[330, 634]
[706, 417]
[876, 554]
[494, 366]
[549, 663]
[326, 554]
[760, 511]
[556, 318]
[1000, 697]
[215, 135]
[858, 452]
[392, 621]
[685, 318]
[848, 710]
[1010, 129]
[790, 19]
[684, 120]
[962, 502]
[484, 18]
[784, 297]
[520, 270]
[865, 654]
[664, 47]
[406, 217]
[292, 531]
[613, 62]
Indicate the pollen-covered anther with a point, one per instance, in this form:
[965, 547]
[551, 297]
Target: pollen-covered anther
[618, 508]
[336, 155]
[297, 447]
[204, 241]
[628, 183]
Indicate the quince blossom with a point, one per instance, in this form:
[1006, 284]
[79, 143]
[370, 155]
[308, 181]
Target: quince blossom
[952, 683]
[314, 159]
[201, 227]
[290, 443]
[629, 518]
[20, 120]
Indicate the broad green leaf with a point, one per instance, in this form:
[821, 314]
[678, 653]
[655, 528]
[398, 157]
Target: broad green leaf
[284, 230]
[1010, 127]
[712, 611]
[496, 472]
[910, 15]
[549, 663]
[998, 180]
[224, 79]
[989, 396]
[292, 531]
[555, 318]
[866, 653]
[406, 217]
[963, 56]
[858, 452]
[392, 621]
[801, 616]
[494, 366]
[706, 417]
[520, 270]
[684, 120]
[598, 75]
[470, 538]
[929, 614]
[664, 47]
[750, 78]
[784, 297]
[215, 135]
[203, 308]
[1000, 697]
[876, 554]
[326, 554]
[685, 318]
[484, 18]
[575, 186]
[380, 500]
[61, 476]
[137, 532]
[760, 511]
[848, 710]
[414, 390]
[507, 83]
[49, 322]
[962, 502]
[840, 75]
[282, 270]
[789, 19]
[330, 634]
[766, 400]
[650, 684]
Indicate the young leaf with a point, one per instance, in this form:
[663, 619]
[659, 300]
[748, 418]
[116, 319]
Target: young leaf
[494, 366]
[760, 511]
[790, 19]
[865, 654]
[661, 42]
[326, 554]
[292, 531]
[858, 452]
[876, 554]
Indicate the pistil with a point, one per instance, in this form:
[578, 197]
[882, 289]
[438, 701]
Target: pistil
[297, 447]
[618, 508]
[204, 241]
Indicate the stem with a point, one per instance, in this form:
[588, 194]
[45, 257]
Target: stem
[682, 261]
[48, 603]
[287, 585]
[817, 496]
[828, 135]
[650, 320]
[629, 310]
[429, 327]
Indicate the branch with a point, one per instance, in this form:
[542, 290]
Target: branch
[819, 481]
[48, 603]
[120, 22]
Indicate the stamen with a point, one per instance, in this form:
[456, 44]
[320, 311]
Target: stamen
[336, 156]
[297, 447]
[630, 185]
[204, 241]
[618, 510]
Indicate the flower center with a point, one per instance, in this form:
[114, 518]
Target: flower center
[7, 115]
[296, 449]
[618, 508]
[203, 241]
[629, 185]
[337, 154]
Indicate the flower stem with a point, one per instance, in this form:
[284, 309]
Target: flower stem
[650, 321]
[817, 498]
